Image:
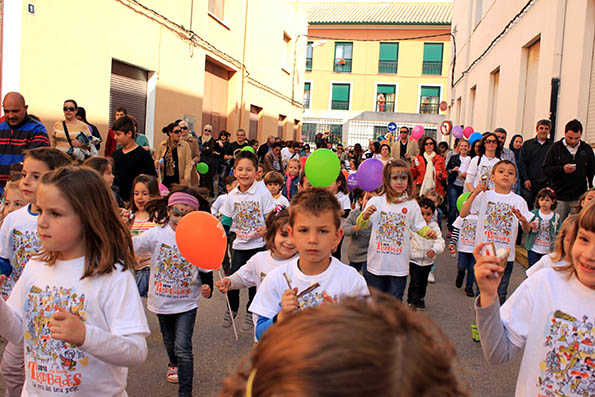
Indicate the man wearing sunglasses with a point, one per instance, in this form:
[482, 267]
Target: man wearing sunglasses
[18, 132]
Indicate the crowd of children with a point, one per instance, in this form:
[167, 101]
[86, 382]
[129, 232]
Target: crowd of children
[75, 263]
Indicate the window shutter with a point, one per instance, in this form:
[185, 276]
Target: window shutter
[430, 91]
[386, 89]
[433, 52]
[340, 92]
[307, 87]
[389, 51]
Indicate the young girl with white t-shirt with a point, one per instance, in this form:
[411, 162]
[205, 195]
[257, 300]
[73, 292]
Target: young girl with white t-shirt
[561, 254]
[551, 315]
[392, 217]
[175, 285]
[281, 250]
[76, 307]
[544, 226]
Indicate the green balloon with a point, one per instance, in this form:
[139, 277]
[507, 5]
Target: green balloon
[322, 167]
[461, 200]
[202, 168]
[248, 149]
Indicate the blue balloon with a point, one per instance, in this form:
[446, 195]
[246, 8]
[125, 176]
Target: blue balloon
[474, 137]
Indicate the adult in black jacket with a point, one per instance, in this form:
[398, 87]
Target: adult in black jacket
[531, 158]
[570, 167]
[265, 148]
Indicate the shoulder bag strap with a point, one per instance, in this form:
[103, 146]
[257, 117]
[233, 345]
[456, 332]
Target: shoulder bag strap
[66, 133]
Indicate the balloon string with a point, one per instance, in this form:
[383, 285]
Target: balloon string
[233, 323]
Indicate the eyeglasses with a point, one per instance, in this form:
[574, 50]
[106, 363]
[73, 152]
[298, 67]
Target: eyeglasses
[68, 109]
[429, 144]
[177, 213]
[184, 128]
[491, 141]
[207, 130]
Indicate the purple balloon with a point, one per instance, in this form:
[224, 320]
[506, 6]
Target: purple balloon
[457, 131]
[369, 174]
[352, 182]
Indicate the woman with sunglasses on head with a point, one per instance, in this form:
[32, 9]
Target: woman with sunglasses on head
[175, 161]
[480, 166]
[429, 168]
[64, 133]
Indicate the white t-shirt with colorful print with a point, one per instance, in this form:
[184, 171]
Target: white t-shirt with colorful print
[174, 284]
[551, 314]
[467, 228]
[18, 242]
[338, 280]
[248, 211]
[389, 248]
[109, 302]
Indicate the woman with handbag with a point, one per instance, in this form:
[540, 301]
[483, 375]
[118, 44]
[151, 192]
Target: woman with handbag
[65, 132]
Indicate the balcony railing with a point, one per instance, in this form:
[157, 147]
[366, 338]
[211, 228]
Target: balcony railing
[307, 103]
[432, 67]
[340, 105]
[429, 108]
[308, 64]
[342, 66]
[387, 107]
[387, 66]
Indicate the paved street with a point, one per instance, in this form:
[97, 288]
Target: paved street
[216, 352]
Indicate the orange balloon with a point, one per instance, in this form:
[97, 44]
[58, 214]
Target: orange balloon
[201, 240]
[345, 173]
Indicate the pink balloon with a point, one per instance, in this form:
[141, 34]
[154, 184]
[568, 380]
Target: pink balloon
[457, 131]
[163, 190]
[417, 132]
[468, 131]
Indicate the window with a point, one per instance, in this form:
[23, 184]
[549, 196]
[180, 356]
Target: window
[307, 95]
[389, 54]
[429, 100]
[309, 131]
[340, 97]
[380, 130]
[309, 52]
[385, 98]
[254, 126]
[432, 58]
[280, 125]
[343, 56]
[216, 8]
[431, 132]
[285, 62]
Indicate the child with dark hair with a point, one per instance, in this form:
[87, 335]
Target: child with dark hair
[423, 253]
[544, 226]
[315, 277]
[274, 182]
[230, 183]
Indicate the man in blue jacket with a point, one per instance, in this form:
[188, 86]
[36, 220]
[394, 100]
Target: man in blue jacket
[18, 132]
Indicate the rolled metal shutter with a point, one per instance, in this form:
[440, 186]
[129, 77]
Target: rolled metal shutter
[128, 89]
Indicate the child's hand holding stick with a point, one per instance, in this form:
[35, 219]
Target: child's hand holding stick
[233, 323]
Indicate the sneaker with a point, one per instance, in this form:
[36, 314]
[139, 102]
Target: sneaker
[247, 322]
[431, 278]
[420, 306]
[172, 375]
[469, 292]
[460, 278]
[227, 319]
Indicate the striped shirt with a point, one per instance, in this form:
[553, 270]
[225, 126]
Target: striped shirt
[138, 227]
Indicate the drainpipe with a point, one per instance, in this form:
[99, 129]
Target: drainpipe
[557, 72]
[243, 66]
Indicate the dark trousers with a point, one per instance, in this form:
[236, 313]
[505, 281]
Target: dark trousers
[465, 264]
[418, 283]
[177, 330]
[358, 265]
[393, 285]
[452, 193]
[503, 287]
[533, 257]
[239, 259]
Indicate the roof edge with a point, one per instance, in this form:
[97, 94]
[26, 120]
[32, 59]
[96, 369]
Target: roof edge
[381, 23]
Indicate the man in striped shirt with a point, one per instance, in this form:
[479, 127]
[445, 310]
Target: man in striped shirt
[18, 132]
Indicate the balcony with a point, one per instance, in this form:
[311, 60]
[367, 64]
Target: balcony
[431, 108]
[308, 64]
[340, 105]
[342, 66]
[387, 67]
[432, 67]
[385, 107]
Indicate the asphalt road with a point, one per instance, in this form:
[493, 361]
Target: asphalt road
[216, 352]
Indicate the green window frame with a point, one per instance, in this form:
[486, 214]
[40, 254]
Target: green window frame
[309, 54]
[307, 95]
[429, 101]
[340, 96]
[343, 57]
[388, 58]
[388, 92]
[432, 63]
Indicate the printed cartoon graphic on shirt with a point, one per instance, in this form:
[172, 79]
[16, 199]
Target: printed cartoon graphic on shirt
[247, 217]
[173, 276]
[498, 223]
[24, 245]
[467, 232]
[569, 365]
[484, 176]
[390, 233]
[53, 365]
[543, 236]
[311, 299]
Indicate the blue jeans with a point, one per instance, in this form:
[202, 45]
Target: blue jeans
[533, 257]
[503, 287]
[177, 330]
[394, 285]
[452, 194]
[466, 263]
[142, 280]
